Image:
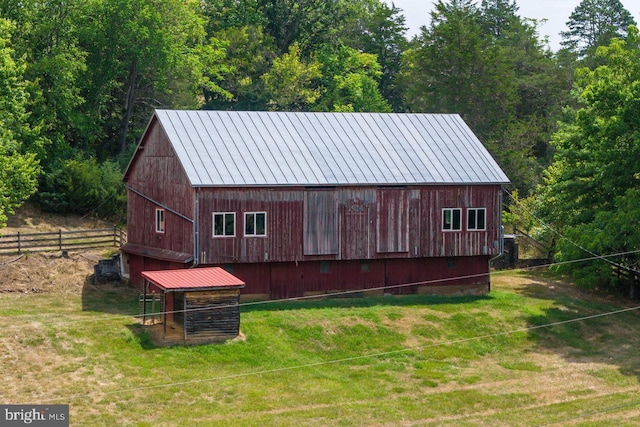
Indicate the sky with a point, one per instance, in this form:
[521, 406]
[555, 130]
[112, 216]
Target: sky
[556, 12]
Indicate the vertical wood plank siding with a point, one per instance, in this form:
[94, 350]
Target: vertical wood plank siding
[368, 223]
[318, 238]
[320, 227]
[396, 276]
[393, 221]
[161, 178]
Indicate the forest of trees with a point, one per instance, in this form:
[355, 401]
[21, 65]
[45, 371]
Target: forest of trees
[80, 79]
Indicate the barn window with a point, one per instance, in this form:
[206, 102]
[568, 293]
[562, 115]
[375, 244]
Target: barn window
[255, 224]
[451, 219]
[365, 266]
[476, 219]
[224, 224]
[159, 220]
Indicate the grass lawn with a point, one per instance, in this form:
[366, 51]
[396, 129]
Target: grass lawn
[395, 360]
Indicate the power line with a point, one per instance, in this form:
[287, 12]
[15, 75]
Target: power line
[562, 236]
[316, 297]
[346, 359]
[591, 414]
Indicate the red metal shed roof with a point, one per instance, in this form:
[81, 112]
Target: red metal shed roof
[193, 279]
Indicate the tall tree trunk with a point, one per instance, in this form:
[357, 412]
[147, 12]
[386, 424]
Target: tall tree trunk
[127, 109]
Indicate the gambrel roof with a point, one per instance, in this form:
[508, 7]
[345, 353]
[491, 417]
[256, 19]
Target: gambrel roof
[251, 148]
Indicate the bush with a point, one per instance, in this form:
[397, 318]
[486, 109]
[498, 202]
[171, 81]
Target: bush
[85, 187]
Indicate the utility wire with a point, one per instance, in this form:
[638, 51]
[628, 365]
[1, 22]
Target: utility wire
[342, 360]
[311, 297]
[591, 414]
[562, 236]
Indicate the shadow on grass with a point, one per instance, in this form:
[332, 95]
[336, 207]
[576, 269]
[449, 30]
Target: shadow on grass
[322, 302]
[109, 297]
[605, 335]
[142, 335]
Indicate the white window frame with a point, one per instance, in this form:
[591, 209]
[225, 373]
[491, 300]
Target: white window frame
[224, 224]
[160, 221]
[475, 216]
[255, 216]
[451, 212]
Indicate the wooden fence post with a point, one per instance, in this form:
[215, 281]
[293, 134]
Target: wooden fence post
[18, 242]
[60, 238]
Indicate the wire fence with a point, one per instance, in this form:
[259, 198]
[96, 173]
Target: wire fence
[62, 240]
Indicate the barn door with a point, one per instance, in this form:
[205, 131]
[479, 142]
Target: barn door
[393, 221]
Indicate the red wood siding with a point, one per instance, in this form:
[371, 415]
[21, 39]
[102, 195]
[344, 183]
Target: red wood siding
[357, 219]
[397, 276]
[158, 175]
[434, 242]
[283, 241]
[434, 272]
[320, 226]
[393, 221]
[367, 223]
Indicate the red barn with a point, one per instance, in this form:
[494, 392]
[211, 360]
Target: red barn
[308, 203]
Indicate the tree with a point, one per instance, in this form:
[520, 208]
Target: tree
[309, 23]
[139, 53]
[350, 81]
[249, 54]
[46, 36]
[591, 187]
[19, 168]
[595, 23]
[292, 84]
[453, 68]
[487, 64]
[380, 30]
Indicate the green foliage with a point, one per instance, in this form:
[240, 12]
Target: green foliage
[19, 142]
[487, 64]
[591, 189]
[595, 23]
[350, 81]
[307, 23]
[379, 29]
[292, 83]
[248, 55]
[143, 54]
[46, 37]
[84, 186]
[612, 231]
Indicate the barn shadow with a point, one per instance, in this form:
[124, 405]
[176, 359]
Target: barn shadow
[607, 335]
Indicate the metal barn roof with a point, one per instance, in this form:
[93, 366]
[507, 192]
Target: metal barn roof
[231, 148]
[193, 279]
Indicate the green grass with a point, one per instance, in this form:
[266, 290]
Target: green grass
[387, 360]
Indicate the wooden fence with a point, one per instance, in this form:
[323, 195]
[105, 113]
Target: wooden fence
[62, 240]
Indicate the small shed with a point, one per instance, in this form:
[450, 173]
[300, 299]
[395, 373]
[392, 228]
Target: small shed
[204, 302]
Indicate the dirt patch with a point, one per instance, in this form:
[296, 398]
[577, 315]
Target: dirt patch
[541, 285]
[29, 218]
[46, 271]
[57, 271]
